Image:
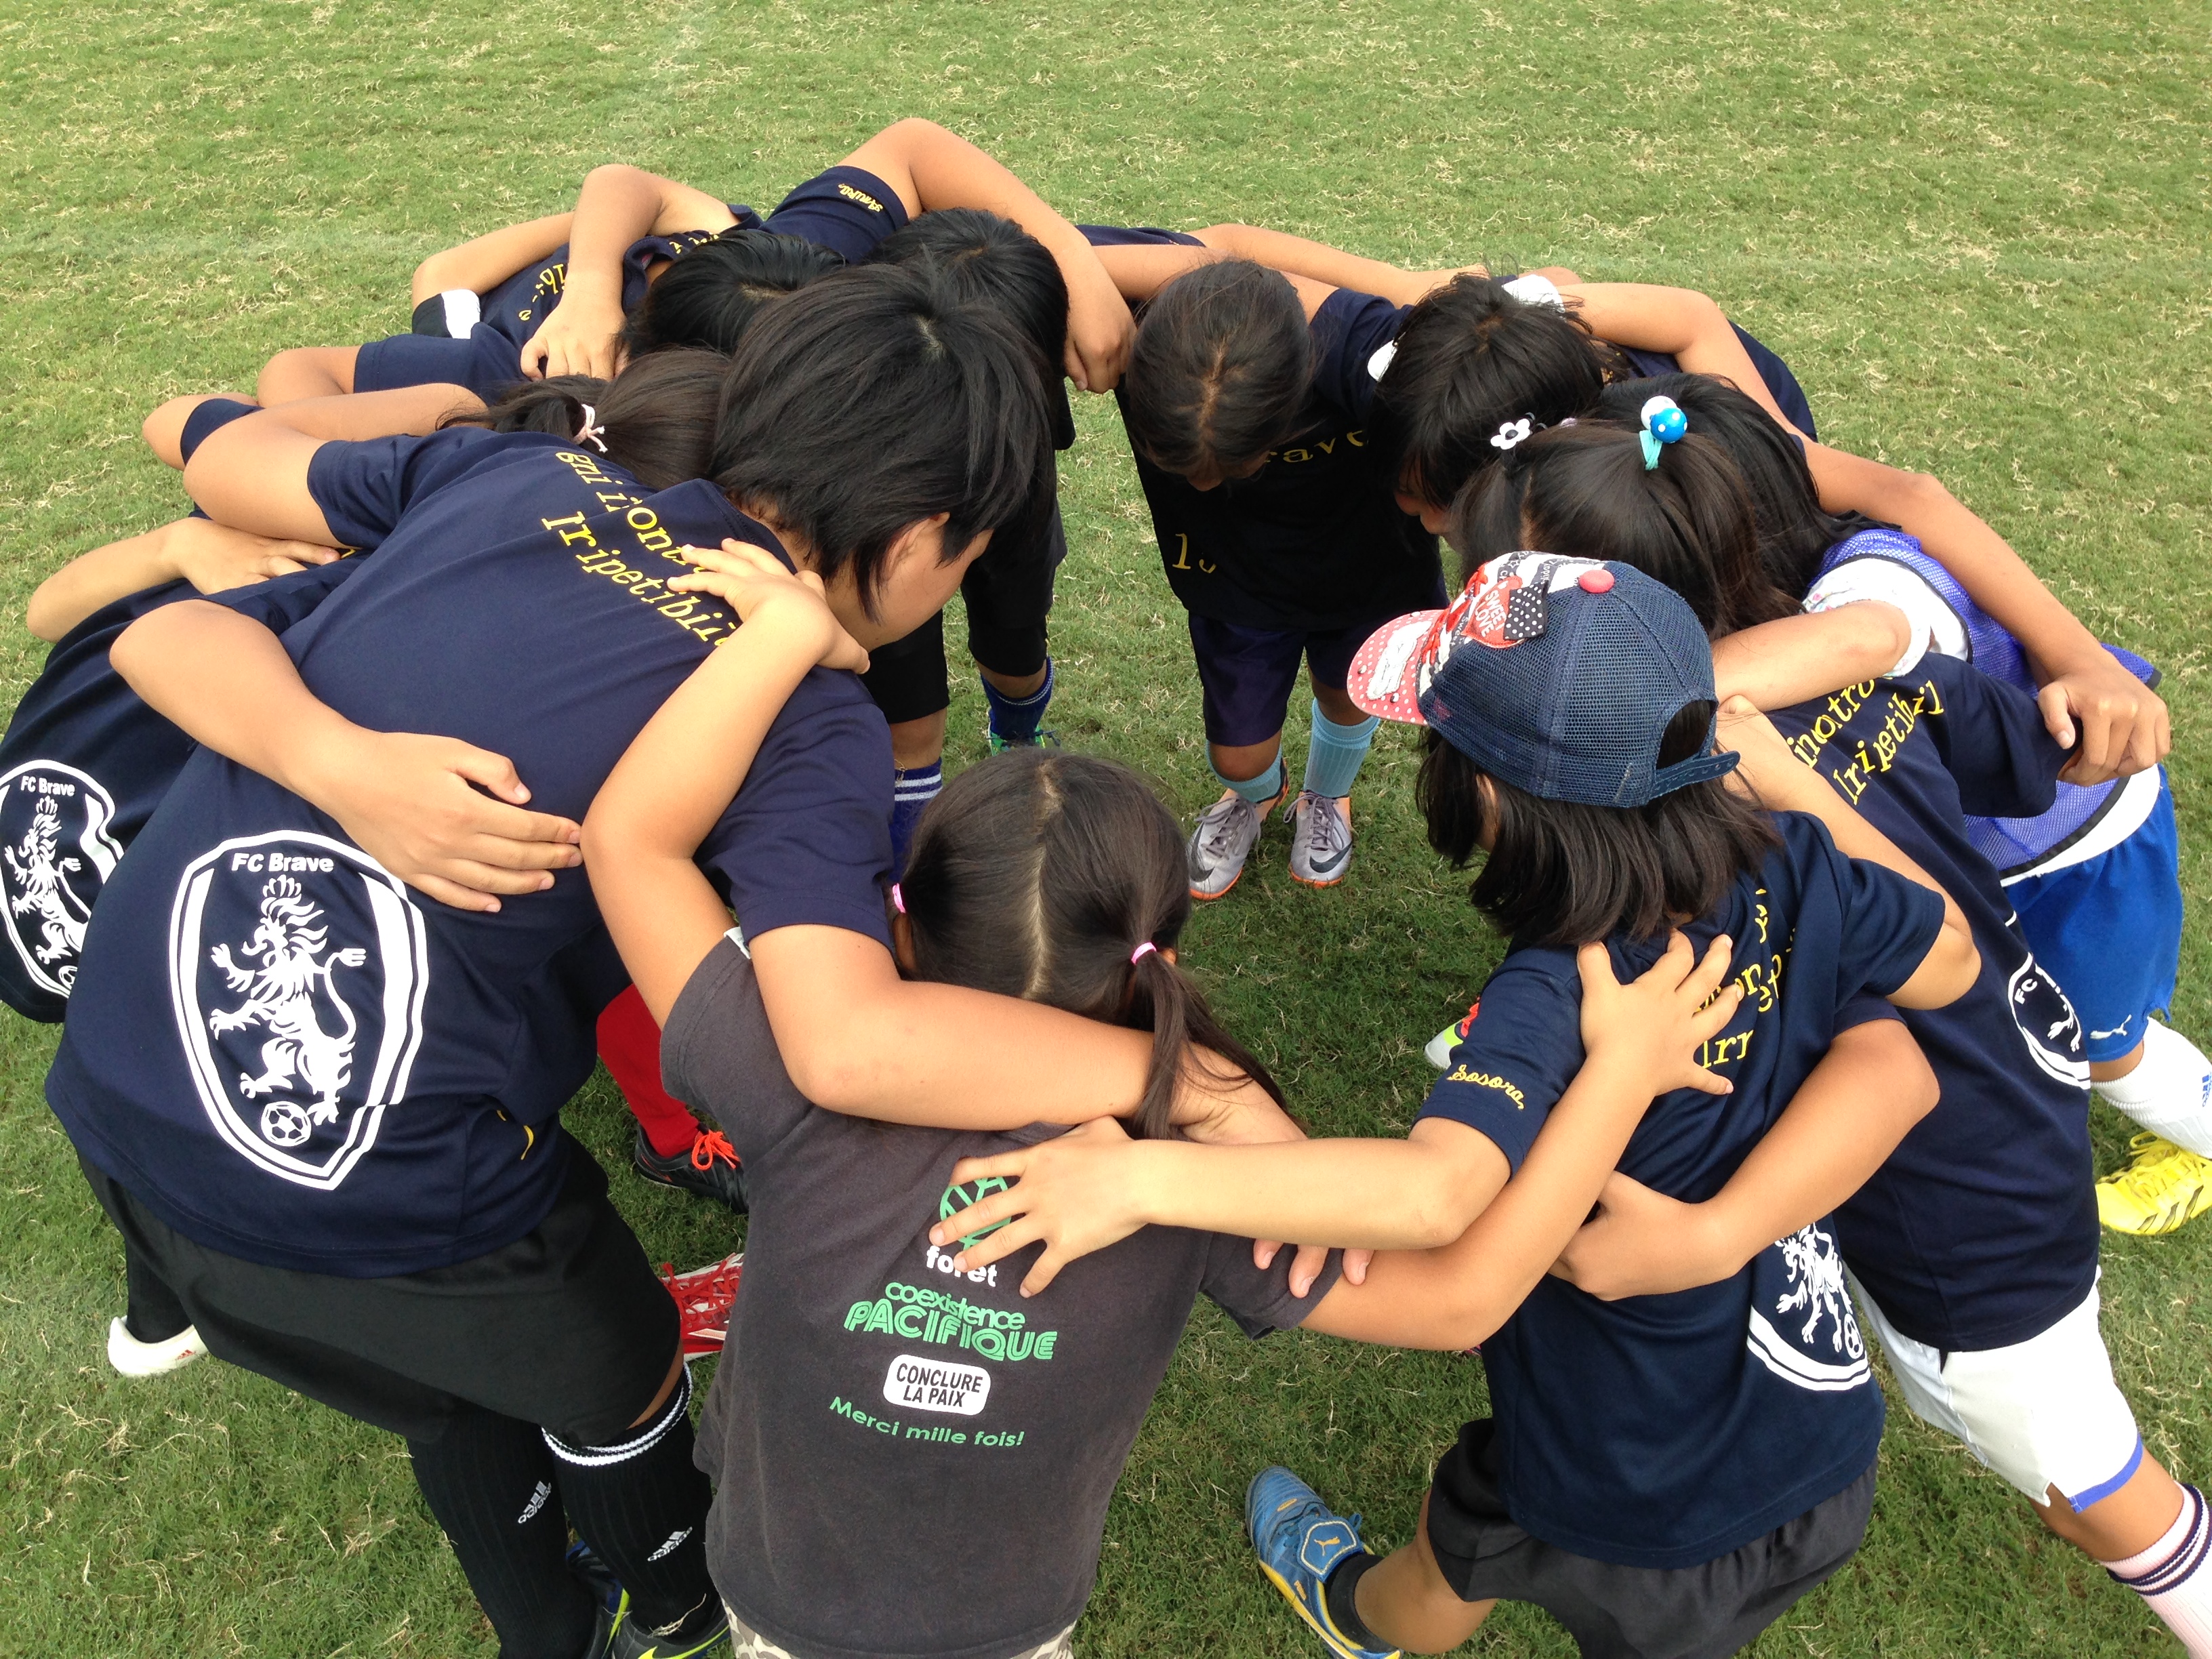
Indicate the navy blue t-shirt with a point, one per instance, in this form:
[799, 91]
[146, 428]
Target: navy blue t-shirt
[83, 766]
[517, 308]
[1981, 1229]
[846, 210]
[292, 1058]
[1314, 540]
[1666, 1430]
[1780, 380]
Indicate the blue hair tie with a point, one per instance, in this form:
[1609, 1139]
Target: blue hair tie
[1663, 423]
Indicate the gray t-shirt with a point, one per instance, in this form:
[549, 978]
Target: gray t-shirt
[909, 1460]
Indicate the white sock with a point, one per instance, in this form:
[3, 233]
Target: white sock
[2169, 1090]
[2167, 1575]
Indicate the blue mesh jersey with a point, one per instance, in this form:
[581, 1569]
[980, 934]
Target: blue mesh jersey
[487, 360]
[1666, 1430]
[2013, 845]
[1981, 1229]
[1314, 540]
[82, 766]
[293, 1058]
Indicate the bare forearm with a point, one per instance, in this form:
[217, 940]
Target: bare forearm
[1777, 664]
[402, 411]
[1296, 256]
[1688, 325]
[1140, 271]
[1373, 1194]
[97, 578]
[484, 263]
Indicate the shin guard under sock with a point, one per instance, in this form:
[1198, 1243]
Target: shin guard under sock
[2169, 1090]
[642, 1506]
[2170, 1578]
[489, 1482]
[1334, 753]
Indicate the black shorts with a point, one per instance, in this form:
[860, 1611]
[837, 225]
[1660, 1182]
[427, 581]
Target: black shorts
[1247, 674]
[1612, 1611]
[1007, 601]
[568, 1328]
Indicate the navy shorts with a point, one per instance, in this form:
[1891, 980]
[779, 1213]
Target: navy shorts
[487, 362]
[1007, 602]
[1248, 673]
[1705, 1612]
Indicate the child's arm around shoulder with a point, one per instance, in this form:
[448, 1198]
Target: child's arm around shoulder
[213, 557]
[1689, 325]
[1084, 1192]
[1795, 658]
[482, 263]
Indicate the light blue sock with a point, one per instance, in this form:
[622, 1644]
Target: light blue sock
[1332, 757]
[1262, 789]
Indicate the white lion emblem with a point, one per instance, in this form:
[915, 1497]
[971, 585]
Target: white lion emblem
[280, 995]
[1817, 1290]
[38, 875]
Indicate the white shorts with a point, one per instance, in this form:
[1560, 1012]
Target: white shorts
[2044, 1413]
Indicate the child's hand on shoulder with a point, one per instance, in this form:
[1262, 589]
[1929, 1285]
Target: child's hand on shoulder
[765, 593]
[1654, 1026]
[1076, 1192]
[214, 558]
[1640, 1243]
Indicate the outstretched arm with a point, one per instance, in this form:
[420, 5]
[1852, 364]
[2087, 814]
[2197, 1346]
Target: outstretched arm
[1681, 321]
[482, 263]
[211, 556]
[1081, 1194]
[2123, 725]
[617, 205]
[1795, 658]
[1863, 1098]
[410, 802]
[1141, 270]
[931, 169]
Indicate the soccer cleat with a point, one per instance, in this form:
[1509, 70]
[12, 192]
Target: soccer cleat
[135, 1358]
[709, 1167]
[618, 1636]
[2165, 1187]
[703, 1297]
[1321, 839]
[1300, 1540]
[1439, 1051]
[1043, 740]
[1225, 837]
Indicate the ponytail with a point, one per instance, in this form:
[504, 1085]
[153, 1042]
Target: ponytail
[1061, 878]
[655, 419]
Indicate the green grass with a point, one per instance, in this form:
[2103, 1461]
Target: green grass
[1976, 230]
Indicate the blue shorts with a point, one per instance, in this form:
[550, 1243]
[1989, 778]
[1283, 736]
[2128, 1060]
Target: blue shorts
[487, 362]
[1248, 673]
[2109, 930]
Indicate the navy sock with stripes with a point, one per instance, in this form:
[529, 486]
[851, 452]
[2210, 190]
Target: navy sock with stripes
[913, 787]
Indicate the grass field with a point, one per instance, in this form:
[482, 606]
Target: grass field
[1978, 232]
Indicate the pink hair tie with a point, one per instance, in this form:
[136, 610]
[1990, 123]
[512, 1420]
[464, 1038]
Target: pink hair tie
[1142, 952]
[898, 899]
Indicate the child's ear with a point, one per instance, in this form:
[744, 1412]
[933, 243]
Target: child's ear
[1168, 951]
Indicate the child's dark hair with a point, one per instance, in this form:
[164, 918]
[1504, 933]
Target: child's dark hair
[1794, 532]
[1471, 357]
[1562, 873]
[1039, 874]
[983, 259]
[871, 400]
[1584, 490]
[1220, 371]
[710, 296]
[656, 417]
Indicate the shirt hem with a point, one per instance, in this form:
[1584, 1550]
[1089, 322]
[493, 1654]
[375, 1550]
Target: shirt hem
[1005, 1647]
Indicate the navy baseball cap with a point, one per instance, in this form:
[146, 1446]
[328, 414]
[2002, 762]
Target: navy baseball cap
[1558, 676]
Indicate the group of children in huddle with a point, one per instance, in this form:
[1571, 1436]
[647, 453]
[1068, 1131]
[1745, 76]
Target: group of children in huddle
[1804, 807]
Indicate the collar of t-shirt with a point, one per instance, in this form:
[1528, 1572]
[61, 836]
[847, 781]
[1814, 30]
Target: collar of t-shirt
[847, 210]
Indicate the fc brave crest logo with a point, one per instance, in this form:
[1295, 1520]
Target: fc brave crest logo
[297, 966]
[57, 851]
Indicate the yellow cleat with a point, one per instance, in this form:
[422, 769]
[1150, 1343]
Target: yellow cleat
[2165, 1189]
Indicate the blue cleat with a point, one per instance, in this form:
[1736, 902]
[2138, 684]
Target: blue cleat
[1300, 1540]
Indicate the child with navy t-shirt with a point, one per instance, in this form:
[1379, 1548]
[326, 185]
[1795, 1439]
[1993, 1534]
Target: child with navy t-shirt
[326, 1116]
[1973, 1249]
[2094, 881]
[1665, 1475]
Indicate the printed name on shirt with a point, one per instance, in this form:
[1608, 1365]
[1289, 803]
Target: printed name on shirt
[942, 1261]
[851, 194]
[920, 1314]
[601, 548]
[550, 281]
[1872, 756]
[1464, 1073]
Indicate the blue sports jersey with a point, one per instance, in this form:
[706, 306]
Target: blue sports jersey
[1314, 540]
[293, 1058]
[1780, 381]
[1666, 1430]
[1981, 1229]
[82, 766]
[488, 359]
[846, 210]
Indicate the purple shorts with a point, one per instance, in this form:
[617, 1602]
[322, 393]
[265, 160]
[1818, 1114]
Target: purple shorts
[1248, 673]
